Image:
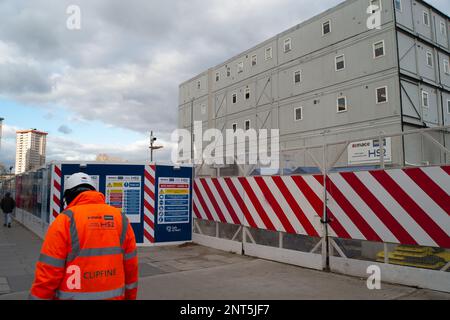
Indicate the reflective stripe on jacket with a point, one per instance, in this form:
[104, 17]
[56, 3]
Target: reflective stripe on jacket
[89, 253]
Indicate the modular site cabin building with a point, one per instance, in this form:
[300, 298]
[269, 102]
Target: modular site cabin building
[337, 76]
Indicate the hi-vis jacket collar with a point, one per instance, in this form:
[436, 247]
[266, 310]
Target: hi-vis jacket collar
[87, 197]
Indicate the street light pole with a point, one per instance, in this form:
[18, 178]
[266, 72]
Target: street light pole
[152, 146]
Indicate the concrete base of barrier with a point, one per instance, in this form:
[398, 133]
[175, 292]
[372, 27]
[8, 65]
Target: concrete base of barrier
[297, 258]
[31, 222]
[422, 278]
[218, 243]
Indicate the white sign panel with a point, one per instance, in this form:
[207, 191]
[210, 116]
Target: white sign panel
[124, 193]
[368, 151]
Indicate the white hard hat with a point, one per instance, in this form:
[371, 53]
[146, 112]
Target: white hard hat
[78, 179]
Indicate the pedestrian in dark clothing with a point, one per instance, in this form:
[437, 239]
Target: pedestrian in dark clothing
[7, 205]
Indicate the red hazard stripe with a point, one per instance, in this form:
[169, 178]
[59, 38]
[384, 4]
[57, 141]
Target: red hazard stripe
[149, 192]
[148, 206]
[149, 177]
[299, 213]
[58, 171]
[334, 223]
[377, 207]
[149, 236]
[275, 205]
[430, 188]
[149, 222]
[213, 201]
[254, 199]
[57, 185]
[408, 204]
[55, 213]
[57, 201]
[240, 203]
[446, 169]
[225, 200]
[352, 213]
[202, 202]
[196, 212]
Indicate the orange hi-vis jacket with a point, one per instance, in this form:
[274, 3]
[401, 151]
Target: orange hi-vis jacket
[89, 253]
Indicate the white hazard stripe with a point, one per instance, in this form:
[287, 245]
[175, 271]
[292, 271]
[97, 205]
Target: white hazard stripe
[439, 176]
[219, 201]
[231, 200]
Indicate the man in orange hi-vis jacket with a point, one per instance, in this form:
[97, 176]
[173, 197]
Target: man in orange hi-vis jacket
[89, 252]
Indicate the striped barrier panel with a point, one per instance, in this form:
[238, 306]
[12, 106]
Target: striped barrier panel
[149, 204]
[56, 200]
[405, 206]
[290, 204]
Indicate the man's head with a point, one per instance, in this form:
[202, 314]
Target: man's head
[77, 184]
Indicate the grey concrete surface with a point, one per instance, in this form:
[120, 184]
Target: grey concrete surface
[201, 273]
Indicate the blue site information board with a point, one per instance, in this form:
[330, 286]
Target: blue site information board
[123, 187]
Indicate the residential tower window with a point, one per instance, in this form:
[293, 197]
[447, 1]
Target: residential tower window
[340, 62]
[442, 24]
[198, 84]
[234, 98]
[217, 77]
[382, 96]
[398, 5]
[448, 106]
[298, 113]
[341, 104]
[228, 71]
[446, 67]
[378, 49]
[326, 27]
[247, 93]
[234, 126]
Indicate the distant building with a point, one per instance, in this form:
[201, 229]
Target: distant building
[102, 157]
[30, 149]
[1, 131]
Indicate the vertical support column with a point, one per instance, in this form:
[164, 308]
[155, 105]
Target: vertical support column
[149, 204]
[325, 244]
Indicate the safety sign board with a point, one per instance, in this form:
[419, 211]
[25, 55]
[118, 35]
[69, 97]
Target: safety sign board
[124, 193]
[173, 200]
[369, 151]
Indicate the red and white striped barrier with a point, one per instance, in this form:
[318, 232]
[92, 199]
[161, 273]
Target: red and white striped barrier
[56, 200]
[149, 204]
[409, 206]
[289, 204]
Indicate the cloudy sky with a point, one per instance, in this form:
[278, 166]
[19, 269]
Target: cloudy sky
[102, 88]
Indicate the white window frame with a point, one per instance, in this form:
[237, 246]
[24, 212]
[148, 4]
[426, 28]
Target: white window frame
[425, 93]
[199, 84]
[203, 108]
[249, 124]
[448, 106]
[287, 41]
[427, 54]
[335, 62]
[295, 114]
[240, 67]
[446, 66]
[247, 90]
[384, 49]
[379, 6]
[376, 94]
[427, 14]
[228, 72]
[401, 5]
[323, 25]
[300, 72]
[442, 27]
[234, 98]
[266, 56]
[254, 58]
[234, 127]
[217, 76]
[337, 104]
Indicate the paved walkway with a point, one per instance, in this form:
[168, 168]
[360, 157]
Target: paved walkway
[196, 272]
